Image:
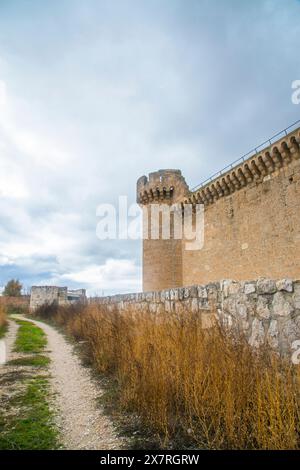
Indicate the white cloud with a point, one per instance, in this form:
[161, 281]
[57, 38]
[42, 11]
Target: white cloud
[34, 145]
[114, 275]
[113, 90]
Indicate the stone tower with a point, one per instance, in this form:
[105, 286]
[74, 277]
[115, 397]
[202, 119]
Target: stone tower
[162, 259]
[252, 223]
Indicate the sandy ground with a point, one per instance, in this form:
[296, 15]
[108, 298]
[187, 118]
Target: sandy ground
[81, 421]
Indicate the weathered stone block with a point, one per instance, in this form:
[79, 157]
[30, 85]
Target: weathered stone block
[229, 305]
[272, 334]
[266, 286]
[225, 287]
[186, 293]
[285, 284]
[296, 297]
[262, 308]
[241, 309]
[249, 288]
[257, 333]
[181, 293]
[193, 291]
[202, 292]
[281, 304]
[175, 294]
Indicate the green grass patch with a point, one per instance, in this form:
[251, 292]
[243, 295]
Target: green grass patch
[34, 361]
[3, 330]
[30, 338]
[34, 426]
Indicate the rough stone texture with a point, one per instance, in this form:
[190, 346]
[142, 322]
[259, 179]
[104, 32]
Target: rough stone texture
[285, 284]
[257, 334]
[266, 286]
[252, 223]
[249, 288]
[265, 310]
[41, 295]
[272, 335]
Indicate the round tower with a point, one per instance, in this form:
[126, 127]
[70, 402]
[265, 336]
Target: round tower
[162, 258]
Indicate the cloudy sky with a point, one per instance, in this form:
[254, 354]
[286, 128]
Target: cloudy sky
[95, 94]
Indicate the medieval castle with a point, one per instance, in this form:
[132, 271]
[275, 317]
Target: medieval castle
[247, 274]
[252, 222]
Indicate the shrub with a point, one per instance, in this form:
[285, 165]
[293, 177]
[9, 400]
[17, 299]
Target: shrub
[203, 388]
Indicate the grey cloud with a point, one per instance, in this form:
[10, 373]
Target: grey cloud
[102, 92]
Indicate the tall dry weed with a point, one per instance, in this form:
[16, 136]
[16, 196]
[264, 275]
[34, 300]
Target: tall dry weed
[2, 315]
[203, 388]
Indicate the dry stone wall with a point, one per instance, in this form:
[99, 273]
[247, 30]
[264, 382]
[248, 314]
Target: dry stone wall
[265, 310]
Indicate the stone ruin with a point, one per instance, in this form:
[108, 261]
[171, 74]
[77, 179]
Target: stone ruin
[49, 295]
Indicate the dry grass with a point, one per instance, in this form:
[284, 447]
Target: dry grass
[3, 320]
[199, 387]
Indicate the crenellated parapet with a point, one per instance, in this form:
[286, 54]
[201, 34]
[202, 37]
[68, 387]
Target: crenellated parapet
[169, 186]
[251, 223]
[256, 169]
[164, 186]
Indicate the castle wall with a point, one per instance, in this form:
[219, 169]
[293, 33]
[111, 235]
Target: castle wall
[251, 233]
[265, 311]
[251, 216]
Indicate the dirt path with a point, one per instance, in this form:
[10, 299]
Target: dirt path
[83, 424]
[9, 339]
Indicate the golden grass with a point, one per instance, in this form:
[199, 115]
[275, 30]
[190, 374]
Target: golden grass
[2, 316]
[204, 387]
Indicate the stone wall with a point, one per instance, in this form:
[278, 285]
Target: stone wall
[41, 295]
[255, 232]
[266, 311]
[251, 216]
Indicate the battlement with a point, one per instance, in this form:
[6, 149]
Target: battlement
[168, 186]
[255, 169]
[251, 219]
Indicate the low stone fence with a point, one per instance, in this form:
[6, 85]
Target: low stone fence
[265, 310]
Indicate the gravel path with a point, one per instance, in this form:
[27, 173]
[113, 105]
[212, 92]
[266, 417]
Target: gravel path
[83, 424]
